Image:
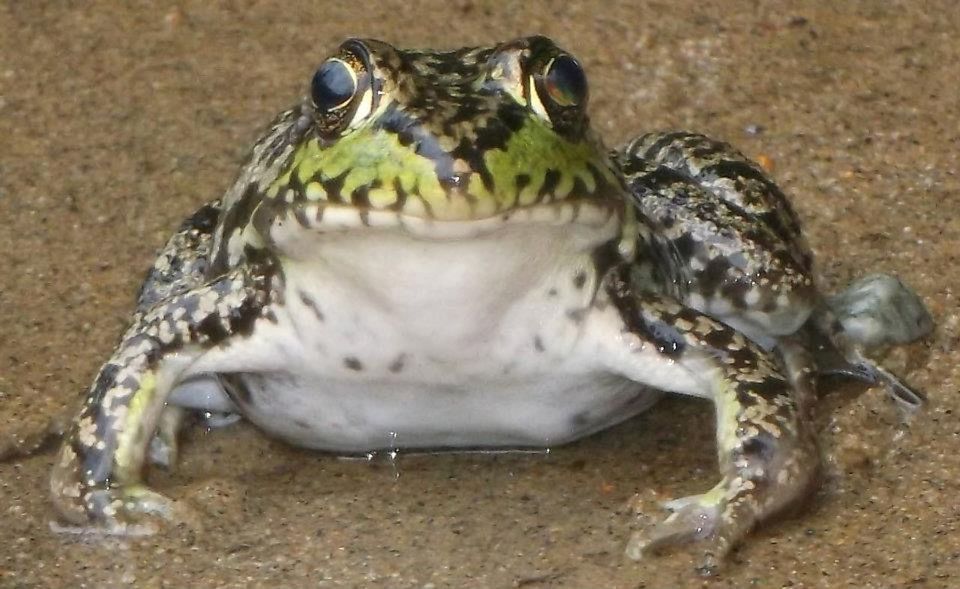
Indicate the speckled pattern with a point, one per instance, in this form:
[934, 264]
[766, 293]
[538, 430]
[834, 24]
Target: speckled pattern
[115, 124]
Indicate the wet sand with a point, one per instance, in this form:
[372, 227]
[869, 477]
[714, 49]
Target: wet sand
[115, 123]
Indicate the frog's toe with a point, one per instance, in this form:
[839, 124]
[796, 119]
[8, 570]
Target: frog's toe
[697, 518]
[689, 521]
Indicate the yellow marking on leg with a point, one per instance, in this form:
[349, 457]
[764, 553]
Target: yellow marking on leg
[128, 456]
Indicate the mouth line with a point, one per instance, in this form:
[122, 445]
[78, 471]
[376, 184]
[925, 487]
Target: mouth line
[327, 217]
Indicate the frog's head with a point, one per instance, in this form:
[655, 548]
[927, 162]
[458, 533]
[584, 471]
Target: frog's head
[476, 134]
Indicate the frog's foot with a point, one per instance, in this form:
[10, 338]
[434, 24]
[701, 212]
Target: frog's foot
[879, 310]
[133, 510]
[720, 518]
[873, 312]
[693, 519]
[717, 520]
[105, 507]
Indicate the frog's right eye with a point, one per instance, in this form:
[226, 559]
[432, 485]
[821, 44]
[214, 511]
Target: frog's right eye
[333, 85]
[343, 91]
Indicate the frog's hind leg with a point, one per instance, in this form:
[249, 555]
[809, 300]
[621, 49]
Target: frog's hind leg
[722, 237]
[727, 242]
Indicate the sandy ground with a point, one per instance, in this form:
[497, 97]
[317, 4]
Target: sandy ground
[117, 122]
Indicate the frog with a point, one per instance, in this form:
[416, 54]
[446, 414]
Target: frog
[435, 250]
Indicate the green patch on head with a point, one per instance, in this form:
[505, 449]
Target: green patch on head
[369, 166]
[371, 159]
[533, 152]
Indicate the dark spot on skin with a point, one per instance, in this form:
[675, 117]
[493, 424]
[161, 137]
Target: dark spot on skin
[234, 218]
[538, 344]
[210, 327]
[580, 420]
[579, 279]
[271, 316]
[576, 315]
[718, 338]
[552, 292]
[311, 304]
[522, 181]
[642, 315]
[104, 382]
[713, 276]
[685, 246]
[770, 388]
[353, 363]
[301, 424]
[397, 365]
[300, 215]
[606, 257]
[550, 181]
[762, 447]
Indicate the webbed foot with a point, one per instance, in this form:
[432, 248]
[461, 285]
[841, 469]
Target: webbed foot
[879, 310]
[692, 519]
[716, 521]
[874, 312]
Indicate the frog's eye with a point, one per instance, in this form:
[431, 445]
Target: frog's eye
[342, 90]
[333, 85]
[564, 81]
[557, 91]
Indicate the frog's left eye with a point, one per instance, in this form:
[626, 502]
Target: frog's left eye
[564, 81]
[557, 91]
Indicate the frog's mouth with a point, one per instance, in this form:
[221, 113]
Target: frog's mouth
[605, 216]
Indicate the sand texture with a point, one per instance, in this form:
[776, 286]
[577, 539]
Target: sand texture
[118, 119]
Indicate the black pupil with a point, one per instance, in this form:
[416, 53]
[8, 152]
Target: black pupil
[566, 77]
[332, 86]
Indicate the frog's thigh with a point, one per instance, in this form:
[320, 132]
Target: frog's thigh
[97, 477]
[767, 451]
[734, 251]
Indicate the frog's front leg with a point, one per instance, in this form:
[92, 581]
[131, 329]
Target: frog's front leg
[766, 444]
[97, 477]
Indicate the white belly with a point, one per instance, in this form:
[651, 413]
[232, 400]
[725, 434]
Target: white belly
[350, 417]
[396, 342]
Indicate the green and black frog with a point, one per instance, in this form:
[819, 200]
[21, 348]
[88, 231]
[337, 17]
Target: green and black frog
[435, 250]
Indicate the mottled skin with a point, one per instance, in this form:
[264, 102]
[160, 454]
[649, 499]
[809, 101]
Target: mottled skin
[443, 231]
